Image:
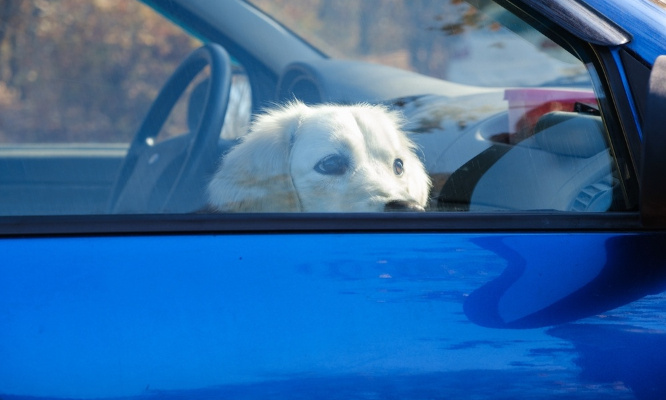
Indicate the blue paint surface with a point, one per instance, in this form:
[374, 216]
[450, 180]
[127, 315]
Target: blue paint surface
[258, 314]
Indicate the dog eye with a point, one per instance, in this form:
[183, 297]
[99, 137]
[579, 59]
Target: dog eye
[398, 167]
[333, 164]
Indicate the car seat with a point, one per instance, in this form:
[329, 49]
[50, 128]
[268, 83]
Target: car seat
[565, 165]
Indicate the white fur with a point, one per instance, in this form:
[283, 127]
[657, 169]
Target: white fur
[274, 167]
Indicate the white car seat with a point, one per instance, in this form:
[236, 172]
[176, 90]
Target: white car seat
[566, 165]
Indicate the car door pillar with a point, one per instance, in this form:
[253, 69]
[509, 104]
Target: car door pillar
[653, 167]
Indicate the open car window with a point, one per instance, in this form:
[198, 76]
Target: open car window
[435, 106]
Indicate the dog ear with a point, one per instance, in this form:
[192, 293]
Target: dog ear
[254, 176]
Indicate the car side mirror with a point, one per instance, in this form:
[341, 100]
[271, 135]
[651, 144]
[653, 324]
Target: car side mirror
[653, 162]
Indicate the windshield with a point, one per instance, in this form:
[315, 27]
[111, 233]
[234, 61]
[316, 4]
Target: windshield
[450, 40]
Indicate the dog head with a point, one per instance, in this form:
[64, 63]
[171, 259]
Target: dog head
[325, 158]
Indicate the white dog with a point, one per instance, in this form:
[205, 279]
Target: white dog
[324, 158]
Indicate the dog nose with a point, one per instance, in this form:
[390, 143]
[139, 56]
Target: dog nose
[402, 205]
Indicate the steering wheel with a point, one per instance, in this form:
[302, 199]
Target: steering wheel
[166, 177]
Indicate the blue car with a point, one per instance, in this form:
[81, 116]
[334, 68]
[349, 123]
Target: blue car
[536, 267]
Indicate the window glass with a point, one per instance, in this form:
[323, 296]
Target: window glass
[521, 130]
[83, 72]
[450, 39]
[433, 106]
[76, 83]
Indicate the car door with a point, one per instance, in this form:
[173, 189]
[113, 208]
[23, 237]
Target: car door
[482, 303]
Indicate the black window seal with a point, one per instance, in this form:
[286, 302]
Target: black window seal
[281, 223]
[621, 124]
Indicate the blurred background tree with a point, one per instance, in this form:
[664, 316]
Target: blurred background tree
[416, 35]
[84, 71]
[87, 71]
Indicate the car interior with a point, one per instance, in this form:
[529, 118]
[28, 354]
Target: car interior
[481, 162]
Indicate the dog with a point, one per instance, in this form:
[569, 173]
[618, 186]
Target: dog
[322, 158]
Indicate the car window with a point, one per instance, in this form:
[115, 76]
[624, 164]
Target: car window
[83, 73]
[76, 83]
[522, 127]
[435, 106]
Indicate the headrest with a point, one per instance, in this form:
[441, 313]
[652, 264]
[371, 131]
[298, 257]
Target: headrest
[570, 134]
